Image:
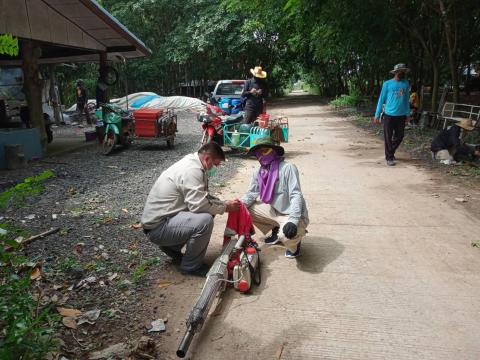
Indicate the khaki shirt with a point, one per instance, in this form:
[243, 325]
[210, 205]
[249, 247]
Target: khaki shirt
[182, 187]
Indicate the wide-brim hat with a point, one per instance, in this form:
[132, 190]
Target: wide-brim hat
[258, 72]
[266, 142]
[466, 124]
[400, 67]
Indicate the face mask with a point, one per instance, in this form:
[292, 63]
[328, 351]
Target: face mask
[211, 172]
[266, 160]
[401, 75]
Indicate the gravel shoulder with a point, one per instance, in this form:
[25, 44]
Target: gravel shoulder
[98, 260]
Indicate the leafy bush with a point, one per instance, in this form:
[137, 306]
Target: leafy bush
[26, 325]
[353, 99]
[8, 45]
[30, 186]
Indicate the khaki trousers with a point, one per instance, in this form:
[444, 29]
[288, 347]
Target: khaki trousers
[265, 218]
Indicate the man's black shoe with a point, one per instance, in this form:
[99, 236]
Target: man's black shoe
[174, 254]
[273, 238]
[201, 271]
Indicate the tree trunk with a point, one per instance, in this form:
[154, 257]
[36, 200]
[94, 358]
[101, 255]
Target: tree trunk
[452, 50]
[435, 75]
[103, 63]
[33, 87]
[467, 81]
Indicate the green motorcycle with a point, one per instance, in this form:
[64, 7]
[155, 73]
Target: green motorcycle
[118, 127]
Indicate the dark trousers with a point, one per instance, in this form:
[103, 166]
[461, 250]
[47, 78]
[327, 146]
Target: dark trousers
[393, 131]
[250, 116]
[82, 108]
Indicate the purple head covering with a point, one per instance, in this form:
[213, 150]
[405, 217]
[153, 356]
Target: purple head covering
[268, 174]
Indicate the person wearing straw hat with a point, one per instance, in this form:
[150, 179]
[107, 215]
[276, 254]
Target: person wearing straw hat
[449, 144]
[394, 102]
[274, 198]
[254, 94]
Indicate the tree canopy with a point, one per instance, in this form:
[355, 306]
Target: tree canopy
[337, 46]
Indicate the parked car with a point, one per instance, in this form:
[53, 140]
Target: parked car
[227, 95]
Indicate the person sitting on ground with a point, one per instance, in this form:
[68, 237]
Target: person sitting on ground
[275, 199]
[449, 144]
[179, 210]
[254, 94]
[414, 105]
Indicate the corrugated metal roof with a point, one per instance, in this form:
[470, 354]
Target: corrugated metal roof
[69, 30]
[99, 24]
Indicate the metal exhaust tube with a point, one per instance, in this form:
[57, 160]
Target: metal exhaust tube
[185, 343]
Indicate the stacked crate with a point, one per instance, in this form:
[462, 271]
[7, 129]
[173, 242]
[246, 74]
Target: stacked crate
[146, 122]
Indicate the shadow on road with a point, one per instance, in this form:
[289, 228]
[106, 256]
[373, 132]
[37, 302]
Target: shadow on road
[153, 147]
[218, 340]
[317, 253]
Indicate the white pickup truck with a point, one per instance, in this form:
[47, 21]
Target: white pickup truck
[229, 89]
[227, 94]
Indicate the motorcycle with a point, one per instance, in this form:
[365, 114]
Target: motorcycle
[118, 127]
[213, 121]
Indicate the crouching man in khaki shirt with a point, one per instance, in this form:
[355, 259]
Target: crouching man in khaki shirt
[179, 210]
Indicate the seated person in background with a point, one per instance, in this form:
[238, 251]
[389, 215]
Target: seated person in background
[275, 199]
[414, 104]
[450, 145]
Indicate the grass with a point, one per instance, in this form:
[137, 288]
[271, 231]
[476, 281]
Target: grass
[67, 264]
[140, 269]
[13, 231]
[16, 195]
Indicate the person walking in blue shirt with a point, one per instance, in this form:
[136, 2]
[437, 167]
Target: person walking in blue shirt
[394, 102]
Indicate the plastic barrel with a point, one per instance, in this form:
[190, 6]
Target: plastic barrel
[236, 106]
[224, 104]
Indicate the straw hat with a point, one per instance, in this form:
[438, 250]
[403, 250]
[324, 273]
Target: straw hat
[258, 72]
[266, 142]
[400, 67]
[466, 124]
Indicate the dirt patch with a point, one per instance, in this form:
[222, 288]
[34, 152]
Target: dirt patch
[461, 179]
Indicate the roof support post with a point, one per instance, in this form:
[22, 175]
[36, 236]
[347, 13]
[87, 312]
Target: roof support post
[102, 91]
[33, 83]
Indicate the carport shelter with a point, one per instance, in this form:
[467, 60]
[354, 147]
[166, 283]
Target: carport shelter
[54, 32]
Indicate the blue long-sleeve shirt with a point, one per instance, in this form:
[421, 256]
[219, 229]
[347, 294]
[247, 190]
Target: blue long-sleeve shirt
[395, 96]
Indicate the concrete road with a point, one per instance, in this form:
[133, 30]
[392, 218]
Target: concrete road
[387, 270]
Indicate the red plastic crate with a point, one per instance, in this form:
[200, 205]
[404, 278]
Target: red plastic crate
[148, 113]
[146, 124]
